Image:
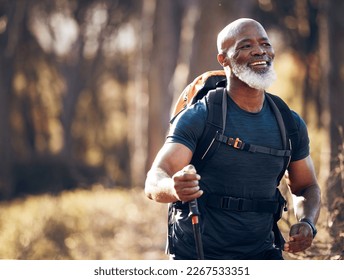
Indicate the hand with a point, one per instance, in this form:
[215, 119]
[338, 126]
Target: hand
[186, 184]
[300, 238]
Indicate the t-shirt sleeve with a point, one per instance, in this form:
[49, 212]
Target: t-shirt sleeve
[188, 126]
[302, 150]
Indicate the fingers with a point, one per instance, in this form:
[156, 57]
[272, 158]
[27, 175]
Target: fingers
[300, 238]
[297, 243]
[294, 230]
[189, 169]
[186, 184]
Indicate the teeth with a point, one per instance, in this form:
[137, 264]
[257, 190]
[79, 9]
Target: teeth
[259, 63]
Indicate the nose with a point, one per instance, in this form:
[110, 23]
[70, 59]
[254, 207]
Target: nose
[258, 50]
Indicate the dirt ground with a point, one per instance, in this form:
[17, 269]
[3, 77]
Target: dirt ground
[104, 224]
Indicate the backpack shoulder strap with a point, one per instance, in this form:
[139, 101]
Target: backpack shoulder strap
[216, 101]
[288, 127]
[291, 126]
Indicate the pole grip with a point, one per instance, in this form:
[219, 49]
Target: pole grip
[193, 208]
[194, 214]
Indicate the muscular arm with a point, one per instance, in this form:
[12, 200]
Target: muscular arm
[302, 182]
[166, 182]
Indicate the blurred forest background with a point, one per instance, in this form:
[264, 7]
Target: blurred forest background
[86, 87]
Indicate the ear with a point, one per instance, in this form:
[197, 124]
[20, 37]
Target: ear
[222, 59]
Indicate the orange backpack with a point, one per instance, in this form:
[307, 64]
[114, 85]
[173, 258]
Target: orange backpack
[199, 88]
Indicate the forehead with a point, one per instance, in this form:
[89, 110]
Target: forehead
[244, 32]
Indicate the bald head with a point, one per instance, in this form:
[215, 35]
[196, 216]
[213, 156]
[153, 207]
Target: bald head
[246, 54]
[233, 29]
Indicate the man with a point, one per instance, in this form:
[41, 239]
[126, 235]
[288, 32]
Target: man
[246, 55]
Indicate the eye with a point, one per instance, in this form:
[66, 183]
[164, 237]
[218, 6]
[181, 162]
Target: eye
[246, 46]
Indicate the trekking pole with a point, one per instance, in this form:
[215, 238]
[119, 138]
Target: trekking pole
[194, 214]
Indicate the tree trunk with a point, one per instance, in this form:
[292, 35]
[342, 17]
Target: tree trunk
[15, 15]
[164, 57]
[138, 103]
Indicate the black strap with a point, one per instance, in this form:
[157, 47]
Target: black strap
[244, 146]
[291, 126]
[243, 205]
[216, 101]
[170, 220]
[275, 206]
[278, 237]
[288, 127]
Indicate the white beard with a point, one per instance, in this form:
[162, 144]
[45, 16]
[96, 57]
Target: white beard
[260, 81]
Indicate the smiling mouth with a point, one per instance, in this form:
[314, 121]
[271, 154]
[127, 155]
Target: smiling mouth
[261, 66]
[262, 63]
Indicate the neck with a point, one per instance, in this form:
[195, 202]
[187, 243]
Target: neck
[247, 98]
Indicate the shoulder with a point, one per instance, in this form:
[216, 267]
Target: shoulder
[298, 119]
[188, 125]
[301, 148]
[194, 113]
[297, 129]
[300, 124]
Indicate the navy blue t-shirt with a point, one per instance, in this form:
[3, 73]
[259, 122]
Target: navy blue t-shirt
[235, 173]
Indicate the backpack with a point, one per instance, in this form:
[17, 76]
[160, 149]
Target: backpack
[211, 85]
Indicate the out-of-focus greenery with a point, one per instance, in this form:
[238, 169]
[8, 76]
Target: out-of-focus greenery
[83, 224]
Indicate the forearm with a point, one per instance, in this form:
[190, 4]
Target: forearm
[308, 203]
[159, 186]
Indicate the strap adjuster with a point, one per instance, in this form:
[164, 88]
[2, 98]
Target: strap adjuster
[235, 143]
[232, 203]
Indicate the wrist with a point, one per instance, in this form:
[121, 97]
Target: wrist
[311, 224]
